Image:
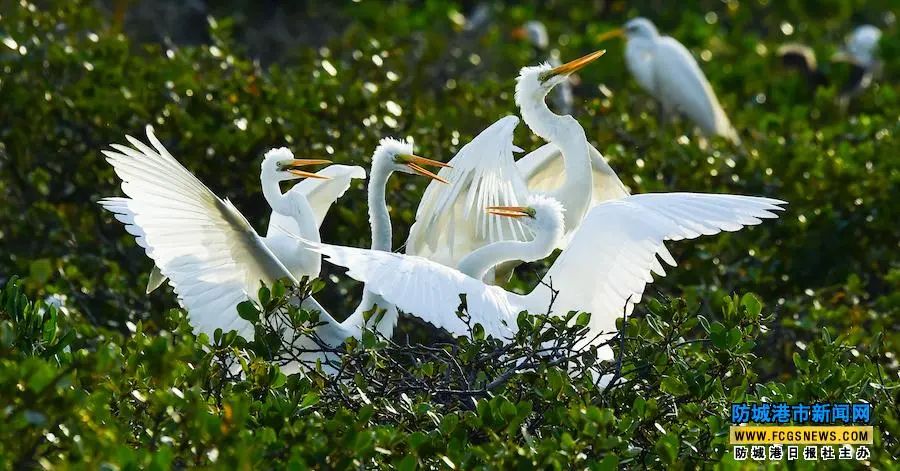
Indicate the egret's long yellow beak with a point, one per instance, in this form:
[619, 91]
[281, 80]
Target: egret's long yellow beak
[292, 166]
[511, 211]
[573, 66]
[616, 33]
[415, 163]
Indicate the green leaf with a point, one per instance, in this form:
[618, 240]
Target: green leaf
[247, 311]
[673, 386]
[752, 305]
[583, 319]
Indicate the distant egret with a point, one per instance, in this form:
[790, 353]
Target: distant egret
[212, 255]
[603, 271]
[536, 34]
[449, 221]
[665, 69]
[860, 51]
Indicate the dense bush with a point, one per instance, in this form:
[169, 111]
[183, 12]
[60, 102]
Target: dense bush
[92, 370]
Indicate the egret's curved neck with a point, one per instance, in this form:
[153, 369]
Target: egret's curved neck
[379, 218]
[478, 262]
[272, 192]
[380, 222]
[569, 137]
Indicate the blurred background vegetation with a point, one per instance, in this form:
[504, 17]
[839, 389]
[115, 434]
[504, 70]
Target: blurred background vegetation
[222, 82]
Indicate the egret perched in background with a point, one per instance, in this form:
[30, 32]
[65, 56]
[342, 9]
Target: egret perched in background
[603, 270]
[449, 221]
[210, 252]
[665, 69]
[298, 212]
[860, 51]
[536, 34]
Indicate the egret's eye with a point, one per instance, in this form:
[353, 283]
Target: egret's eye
[544, 76]
[530, 212]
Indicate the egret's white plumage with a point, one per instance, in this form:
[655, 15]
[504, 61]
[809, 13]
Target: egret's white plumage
[861, 46]
[664, 68]
[214, 258]
[299, 211]
[450, 220]
[203, 244]
[569, 169]
[604, 270]
[536, 34]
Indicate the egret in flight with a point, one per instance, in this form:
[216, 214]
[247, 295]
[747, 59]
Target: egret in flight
[603, 270]
[211, 254]
[298, 212]
[665, 69]
[536, 34]
[450, 222]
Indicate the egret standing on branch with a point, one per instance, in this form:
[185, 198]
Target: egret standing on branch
[664, 68]
[603, 271]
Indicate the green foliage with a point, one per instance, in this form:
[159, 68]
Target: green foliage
[101, 374]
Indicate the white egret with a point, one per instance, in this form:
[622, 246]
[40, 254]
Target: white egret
[299, 212]
[210, 252]
[536, 34]
[449, 222]
[665, 69]
[604, 269]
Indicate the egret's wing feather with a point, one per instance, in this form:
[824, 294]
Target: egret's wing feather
[545, 171]
[451, 221]
[212, 256]
[609, 261]
[682, 87]
[321, 194]
[426, 289]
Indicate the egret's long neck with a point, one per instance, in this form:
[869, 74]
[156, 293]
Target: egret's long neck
[569, 137]
[379, 218]
[477, 263]
[272, 192]
[380, 222]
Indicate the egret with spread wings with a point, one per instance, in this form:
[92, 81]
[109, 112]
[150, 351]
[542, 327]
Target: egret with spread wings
[211, 254]
[603, 270]
[299, 211]
[449, 221]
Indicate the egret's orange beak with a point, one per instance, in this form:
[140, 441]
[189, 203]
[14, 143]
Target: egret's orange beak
[511, 211]
[570, 68]
[415, 163]
[616, 33]
[292, 166]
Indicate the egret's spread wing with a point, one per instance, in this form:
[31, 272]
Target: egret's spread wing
[321, 194]
[610, 259]
[545, 171]
[682, 87]
[451, 221]
[212, 256]
[426, 289]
